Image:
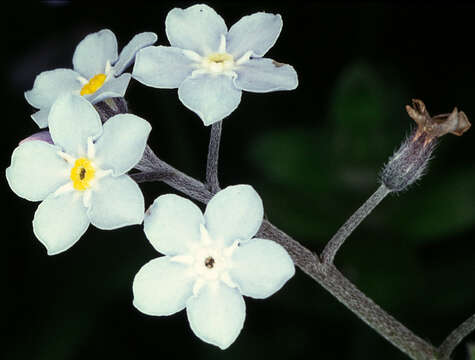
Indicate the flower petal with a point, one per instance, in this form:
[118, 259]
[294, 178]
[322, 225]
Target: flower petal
[72, 120]
[217, 314]
[60, 221]
[115, 87]
[127, 54]
[162, 67]
[162, 287]
[172, 223]
[116, 202]
[93, 52]
[49, 85]
[257, 32]
[261, 267]
[36, 170]
[211, 97]
[198, 28]
[234, 213]
[122, 143]
[41, 117]
[264, 75]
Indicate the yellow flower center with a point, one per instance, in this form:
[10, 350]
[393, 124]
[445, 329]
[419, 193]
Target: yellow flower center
[82, 173]
[220, 57]
[94, 84]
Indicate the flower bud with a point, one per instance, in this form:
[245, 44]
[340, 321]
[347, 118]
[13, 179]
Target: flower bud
[409, 162]
[43, 135]
[111, 107]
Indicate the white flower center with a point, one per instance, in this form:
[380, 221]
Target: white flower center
[218, 62]
[209, 261]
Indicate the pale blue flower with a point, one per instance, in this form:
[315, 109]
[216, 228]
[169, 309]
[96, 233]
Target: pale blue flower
[81, 177]
[210, 262]
[210, 65]
[97, 73]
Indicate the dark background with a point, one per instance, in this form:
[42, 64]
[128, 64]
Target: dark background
[313, 155]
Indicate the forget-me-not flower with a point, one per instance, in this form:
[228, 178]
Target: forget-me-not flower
[210, 262]
[81, 177]
[210, 65]
[97, 73]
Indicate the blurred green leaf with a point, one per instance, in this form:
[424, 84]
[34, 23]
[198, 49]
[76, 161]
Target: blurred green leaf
[445, 207]
[358, 113]
[296, 157]
[471, 351]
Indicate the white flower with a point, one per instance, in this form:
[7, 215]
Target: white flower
[96, 73]
[211, 261]
[80, 179]
[210, 65]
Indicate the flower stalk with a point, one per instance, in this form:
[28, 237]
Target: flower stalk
[325, 274]
[321, 268]
[352, 223]
[213, 157]
[455, 337]
[89, 158]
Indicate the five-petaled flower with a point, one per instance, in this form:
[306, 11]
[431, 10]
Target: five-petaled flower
[210, 262]
[97, 75]
[80, 178]
[210, 65]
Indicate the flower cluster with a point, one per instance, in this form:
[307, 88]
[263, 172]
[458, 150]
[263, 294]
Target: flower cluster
[78, 168]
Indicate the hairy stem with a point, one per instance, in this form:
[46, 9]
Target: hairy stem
[154, 169]
[326, 274]
[332, 247]
[213, 157]
[151, 168]
[455, 337]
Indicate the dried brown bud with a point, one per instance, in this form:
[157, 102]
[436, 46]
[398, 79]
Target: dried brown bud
[433, 127]
[410, 161]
